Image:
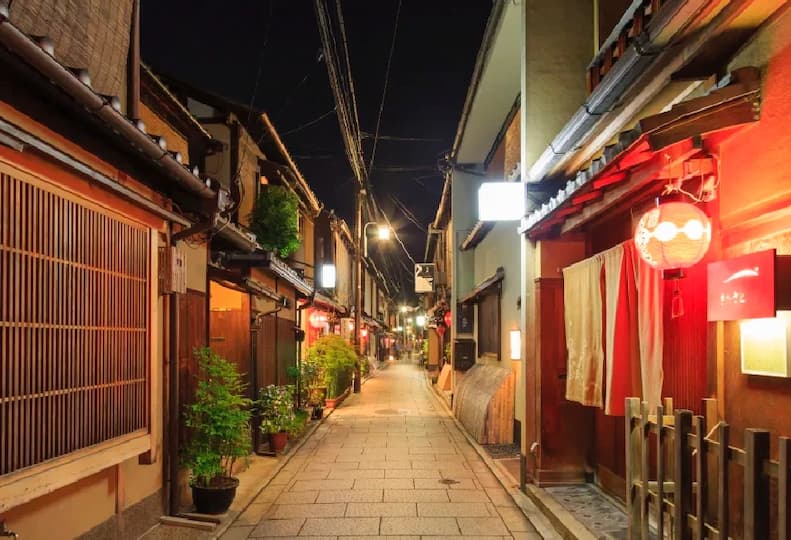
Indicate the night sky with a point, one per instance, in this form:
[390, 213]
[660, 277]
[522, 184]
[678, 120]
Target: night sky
[225, 47]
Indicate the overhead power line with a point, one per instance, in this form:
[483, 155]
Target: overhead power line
[384, 88]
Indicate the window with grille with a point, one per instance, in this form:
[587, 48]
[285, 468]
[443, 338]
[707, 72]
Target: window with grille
[74, 309]
[489, 323]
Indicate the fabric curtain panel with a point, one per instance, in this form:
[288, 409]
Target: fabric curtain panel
[583, 320]
[650, 305]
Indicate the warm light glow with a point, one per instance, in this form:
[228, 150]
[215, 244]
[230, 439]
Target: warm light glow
[383, 232]
[764, 345]
[673, 235]
[318, 319]
[399, 329]
[364, 333]
[328, 276]
[420, 320]
[516, 344]
[409, 321]
[501, 201]
[403, 309]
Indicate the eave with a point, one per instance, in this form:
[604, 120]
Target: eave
[652, 151]
[484, 287]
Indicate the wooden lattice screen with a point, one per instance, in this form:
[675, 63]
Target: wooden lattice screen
[74, 304]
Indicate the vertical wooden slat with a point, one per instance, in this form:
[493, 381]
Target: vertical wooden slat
[682, 476]
[701, 464]
[756, 485]
[632, 409]
[783, 489]
[660, 472]
[644, 426]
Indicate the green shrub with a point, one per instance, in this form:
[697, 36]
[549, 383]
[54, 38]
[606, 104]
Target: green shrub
[333, 358]
[276, 406]
[275, 221]
[218, 419]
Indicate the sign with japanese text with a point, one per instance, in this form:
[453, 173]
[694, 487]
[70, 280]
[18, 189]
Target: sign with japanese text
[742, 288]
[424, 277]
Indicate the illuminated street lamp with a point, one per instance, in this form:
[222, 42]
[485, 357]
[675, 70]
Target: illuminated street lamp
[382, 233]
[420, 320]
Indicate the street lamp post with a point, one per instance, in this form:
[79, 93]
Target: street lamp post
[361, 232]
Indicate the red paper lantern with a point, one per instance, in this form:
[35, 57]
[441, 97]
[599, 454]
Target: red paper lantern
[673, 235]
[318, 319]
[448, 318]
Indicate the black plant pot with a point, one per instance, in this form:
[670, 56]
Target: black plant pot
[318, 413]
[216, 498]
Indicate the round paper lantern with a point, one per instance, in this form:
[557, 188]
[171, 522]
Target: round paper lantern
[673, 235]
[318, 319]
[448, 319]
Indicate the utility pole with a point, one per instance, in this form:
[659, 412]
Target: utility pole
[358, 274]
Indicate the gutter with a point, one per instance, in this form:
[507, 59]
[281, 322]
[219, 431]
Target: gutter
[78, 88]
[627, 73]
[18, 139]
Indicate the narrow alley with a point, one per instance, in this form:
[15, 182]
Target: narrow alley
[389, 462]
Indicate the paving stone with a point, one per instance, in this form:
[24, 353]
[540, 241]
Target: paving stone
[412, 473]
[277, 527]
[452, 509]
[341, 526]
[476, 526]
[297, 497]
[269, 494]
[253, 514]
[237, 533]
[526, 536]
[391, 465]
[357, 473]
[415, 495]
[380, 509]
[420, 525]
[384, 483]
[286, 511]
[357, 495]
[322, 485]
[431, 483]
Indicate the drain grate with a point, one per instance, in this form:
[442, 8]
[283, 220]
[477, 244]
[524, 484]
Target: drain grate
[449, 481]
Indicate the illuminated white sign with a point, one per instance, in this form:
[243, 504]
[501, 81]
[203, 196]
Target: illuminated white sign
[501, 201]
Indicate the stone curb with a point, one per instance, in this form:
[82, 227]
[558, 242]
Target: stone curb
[541, 522]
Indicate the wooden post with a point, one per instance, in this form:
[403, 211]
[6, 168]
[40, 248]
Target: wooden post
[660, 472]
[644, 470]
[682, 475]
[632, 464]
[701, 464]
[783, 489]
[723, 515]
[756, 485]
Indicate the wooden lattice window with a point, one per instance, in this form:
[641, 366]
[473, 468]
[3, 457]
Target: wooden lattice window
[75, 304]
[489, 323]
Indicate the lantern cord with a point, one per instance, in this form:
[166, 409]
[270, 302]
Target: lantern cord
[677, 304]
[707, 190]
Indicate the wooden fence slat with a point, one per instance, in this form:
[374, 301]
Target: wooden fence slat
[756, 485]
[632, 461]
[682, 476]
[701, 464]
[660, 473]
[644, 471]
[783, 489]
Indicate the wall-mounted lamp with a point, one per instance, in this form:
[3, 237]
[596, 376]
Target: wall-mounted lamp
[516, 344]
[328, 276]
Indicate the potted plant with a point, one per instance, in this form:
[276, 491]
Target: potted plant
[311, 377]
[219, 433]
[335, 358]
[276, 406]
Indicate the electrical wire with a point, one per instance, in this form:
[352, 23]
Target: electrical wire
[384, 88]
[310, 123]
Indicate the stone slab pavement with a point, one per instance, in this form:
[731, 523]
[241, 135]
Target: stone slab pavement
[388, 463]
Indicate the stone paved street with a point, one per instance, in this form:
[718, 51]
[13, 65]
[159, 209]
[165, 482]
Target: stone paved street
[388, 463]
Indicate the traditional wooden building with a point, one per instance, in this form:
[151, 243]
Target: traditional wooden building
[90, 308]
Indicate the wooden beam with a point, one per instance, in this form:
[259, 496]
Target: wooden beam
[609, 179]
[638, 178]
[587, 197]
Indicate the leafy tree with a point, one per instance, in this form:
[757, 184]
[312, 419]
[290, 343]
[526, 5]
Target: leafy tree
[219, 421]
[274, 220]
[334, 359]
